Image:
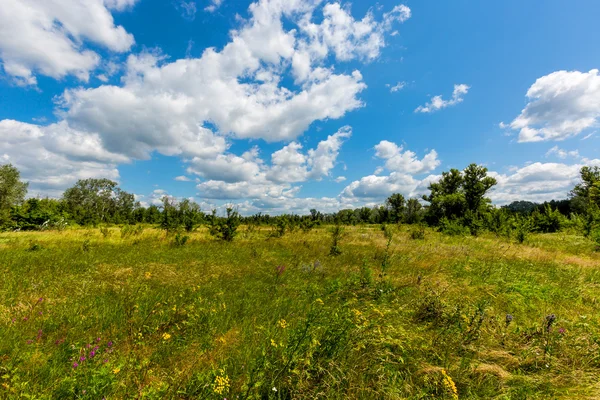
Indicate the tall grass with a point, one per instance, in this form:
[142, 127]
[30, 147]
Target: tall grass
[133, 316]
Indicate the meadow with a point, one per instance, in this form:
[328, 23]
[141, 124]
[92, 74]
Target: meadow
[129, 314]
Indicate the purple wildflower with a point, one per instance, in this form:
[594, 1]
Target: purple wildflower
[82, 358]
[562, 331]
[92, 354]
[75, 365]
[109, 344]
[98, 339]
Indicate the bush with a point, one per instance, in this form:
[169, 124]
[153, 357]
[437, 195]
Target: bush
[225, 228]
[452, 227]
[180, 240]
[547, 221]
[418, 233]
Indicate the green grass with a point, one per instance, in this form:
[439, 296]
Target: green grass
[281, 318]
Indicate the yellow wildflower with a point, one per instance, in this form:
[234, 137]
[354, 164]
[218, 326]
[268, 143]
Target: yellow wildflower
[116, 370]
[148, 275]
[282, 323]
[273, 343]
[221, 384]
[319, 301]
[166, 336]
[450, 385]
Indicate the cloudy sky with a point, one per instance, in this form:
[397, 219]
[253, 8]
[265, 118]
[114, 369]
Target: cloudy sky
[285, 105]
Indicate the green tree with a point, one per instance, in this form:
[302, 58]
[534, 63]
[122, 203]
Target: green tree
[413, 212]
[396, 205]
[12, 191]
[92, 201]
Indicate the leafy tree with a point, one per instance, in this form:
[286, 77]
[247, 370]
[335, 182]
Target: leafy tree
[475, 185]
[413, 214]
[396, 205]
[460, 196]
[93, 201]
[12, 191]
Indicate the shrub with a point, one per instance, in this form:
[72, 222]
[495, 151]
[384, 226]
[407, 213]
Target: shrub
[180, 240]
[547, 221]
[452, 227]
[418, 233]
[336, 235]
[225, 228]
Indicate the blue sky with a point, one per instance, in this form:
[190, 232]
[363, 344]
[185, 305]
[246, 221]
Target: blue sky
[281, 106]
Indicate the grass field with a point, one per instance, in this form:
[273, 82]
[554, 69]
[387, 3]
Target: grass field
[86, 314]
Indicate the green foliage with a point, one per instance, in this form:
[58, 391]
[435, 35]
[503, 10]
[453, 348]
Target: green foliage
[547, 220]
[396, 205]
[94, 201]
[418, 233]
[337, 232]
[179, 240]
[452, 227]
[12, 193]
[225, 228]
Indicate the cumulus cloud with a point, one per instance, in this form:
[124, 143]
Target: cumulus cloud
[537, 182]
[54, 157]
[232, 177]
[437, 102]
[403, 166]
[405, 161]
[195, 107]
[48, 36]
[182, 178]
[560, 105]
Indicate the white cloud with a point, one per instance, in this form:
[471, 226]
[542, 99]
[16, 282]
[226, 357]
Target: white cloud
[405, 162]
[340, 179]
[397, 87]
[562, 154]
[561, 105]
[438, 103]
[194, 107]
[48, 36]
[215, 4]
[182, 178]
[54, 157]
[231, 177]
[537, 182]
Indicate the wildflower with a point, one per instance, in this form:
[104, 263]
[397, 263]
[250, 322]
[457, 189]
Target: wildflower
[508, 319]
[75, 365]
[274, 389]
[449, 384]
[561, 331]
[166, 336]
[39, 335]
[221, 384]
[148, 275]
[96, 348]
[116, 370]
[82, 358]
[40, 299]
[98, 339]
[319, 301]
[92, 354]
[109, 344]
[273, 343]
[280, 270]
[105, 361]
[282, 323]
[29, 341]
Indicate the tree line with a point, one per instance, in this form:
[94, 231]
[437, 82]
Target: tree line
[456, 204]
